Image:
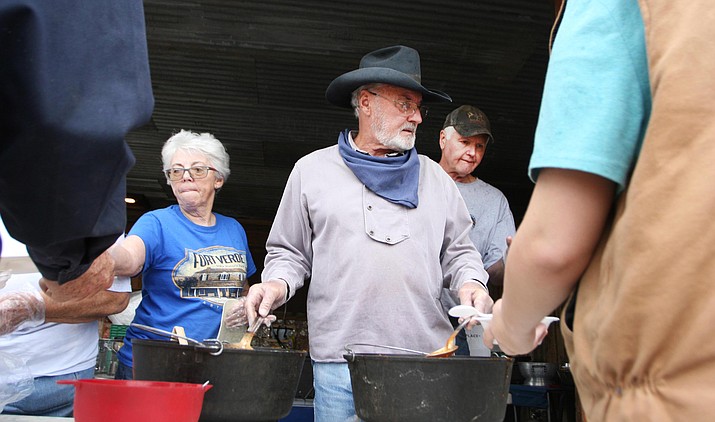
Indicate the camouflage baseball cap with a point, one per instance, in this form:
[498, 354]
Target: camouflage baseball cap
[469, 121]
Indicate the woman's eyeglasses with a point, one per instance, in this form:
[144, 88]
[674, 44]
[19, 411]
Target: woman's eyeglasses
[196, 172]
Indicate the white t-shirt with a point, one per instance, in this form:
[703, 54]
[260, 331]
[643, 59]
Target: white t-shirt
[50, 349]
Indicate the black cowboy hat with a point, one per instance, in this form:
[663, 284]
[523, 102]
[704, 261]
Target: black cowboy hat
[397, 65]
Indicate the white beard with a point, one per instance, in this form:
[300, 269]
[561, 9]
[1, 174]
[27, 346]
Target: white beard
[394, 142]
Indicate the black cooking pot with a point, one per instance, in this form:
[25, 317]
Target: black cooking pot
[410, 388]
[248, 385]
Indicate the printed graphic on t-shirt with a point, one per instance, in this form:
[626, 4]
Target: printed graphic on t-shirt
[213, 274]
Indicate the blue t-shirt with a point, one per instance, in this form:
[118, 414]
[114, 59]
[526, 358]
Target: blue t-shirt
[189, 272]
[596, 101]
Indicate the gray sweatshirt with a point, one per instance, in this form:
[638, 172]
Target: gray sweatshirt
[376, 269]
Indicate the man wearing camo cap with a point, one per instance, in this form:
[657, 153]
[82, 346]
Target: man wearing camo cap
[463, 141]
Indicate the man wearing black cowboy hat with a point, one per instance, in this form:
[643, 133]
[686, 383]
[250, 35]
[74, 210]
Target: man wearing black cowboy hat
[378, 229]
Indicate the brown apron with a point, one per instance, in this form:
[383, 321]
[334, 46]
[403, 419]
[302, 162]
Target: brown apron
[643, 348]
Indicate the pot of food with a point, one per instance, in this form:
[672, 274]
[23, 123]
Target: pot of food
[402, 387]
[248, 385]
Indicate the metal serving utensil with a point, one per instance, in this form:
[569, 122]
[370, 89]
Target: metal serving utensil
[451, 346]
[207, 343]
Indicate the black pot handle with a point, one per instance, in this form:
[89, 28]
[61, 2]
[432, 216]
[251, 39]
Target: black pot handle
[214, 344]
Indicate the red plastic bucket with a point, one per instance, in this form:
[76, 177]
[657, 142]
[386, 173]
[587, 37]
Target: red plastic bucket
[110, 400]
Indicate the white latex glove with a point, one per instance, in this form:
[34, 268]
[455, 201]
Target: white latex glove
[236, 315]
[264, 297]
[267, 321]
[20, 309]
[475, 295]
[4, 277]
[16, 380]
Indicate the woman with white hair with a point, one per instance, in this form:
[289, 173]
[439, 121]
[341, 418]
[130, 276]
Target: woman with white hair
[191, 259]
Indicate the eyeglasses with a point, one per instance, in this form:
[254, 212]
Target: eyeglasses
[407, 108]
[196, 172]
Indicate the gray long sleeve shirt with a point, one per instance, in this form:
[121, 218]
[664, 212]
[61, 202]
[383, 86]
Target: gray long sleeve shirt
[493, 222]
[376, 269]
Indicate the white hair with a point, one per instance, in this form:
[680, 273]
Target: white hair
[204, 143]
[449, 131]
[355, 97]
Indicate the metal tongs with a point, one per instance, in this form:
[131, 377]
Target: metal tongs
[211, 343]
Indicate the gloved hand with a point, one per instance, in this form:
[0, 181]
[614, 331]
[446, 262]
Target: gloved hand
[19, 309]
[267, 321]
[16, 380]
[236, 315]
[4, 277]
[264, 297]
[474, 294]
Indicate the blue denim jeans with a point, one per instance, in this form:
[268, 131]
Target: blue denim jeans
[49, 398]
[333, 393]
[461, 340]
[124, 372]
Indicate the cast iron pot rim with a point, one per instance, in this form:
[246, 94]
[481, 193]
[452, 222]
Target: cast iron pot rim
[350, 357]
[175, 345]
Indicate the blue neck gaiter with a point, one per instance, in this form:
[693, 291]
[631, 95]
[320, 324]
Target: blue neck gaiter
[394, 178]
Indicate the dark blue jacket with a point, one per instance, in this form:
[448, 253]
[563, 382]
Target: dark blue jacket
[74, 80]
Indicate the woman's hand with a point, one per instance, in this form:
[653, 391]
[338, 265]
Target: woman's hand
[236, 315]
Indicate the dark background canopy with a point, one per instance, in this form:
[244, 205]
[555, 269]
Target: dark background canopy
[254, 74]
